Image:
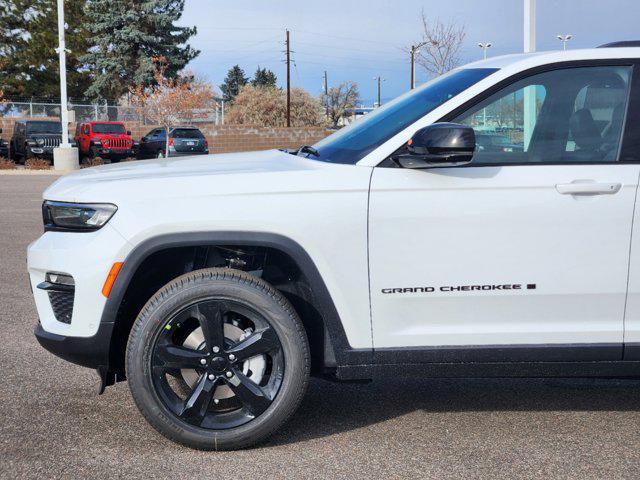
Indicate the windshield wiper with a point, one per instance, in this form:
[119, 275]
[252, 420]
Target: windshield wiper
[308, 149]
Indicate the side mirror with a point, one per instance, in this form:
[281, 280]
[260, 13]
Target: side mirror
[0, 130]
[439, 145]
[129, 132]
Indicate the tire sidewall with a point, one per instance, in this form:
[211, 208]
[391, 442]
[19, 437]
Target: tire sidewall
[190, 289]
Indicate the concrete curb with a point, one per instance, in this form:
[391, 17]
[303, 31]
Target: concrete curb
[24, 171]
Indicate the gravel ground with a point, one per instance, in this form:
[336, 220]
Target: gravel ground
[52, 424]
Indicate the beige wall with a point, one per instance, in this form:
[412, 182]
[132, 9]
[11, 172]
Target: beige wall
[222, 138]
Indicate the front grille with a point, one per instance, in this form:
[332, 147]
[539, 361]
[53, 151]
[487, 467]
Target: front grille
[51, 141]
[62, 305]
[117, 143]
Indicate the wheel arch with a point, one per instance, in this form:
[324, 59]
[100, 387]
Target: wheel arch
[333, 347]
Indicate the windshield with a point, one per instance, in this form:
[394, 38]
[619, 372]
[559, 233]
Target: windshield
[107, 128]
[353, 143]
[44, 127]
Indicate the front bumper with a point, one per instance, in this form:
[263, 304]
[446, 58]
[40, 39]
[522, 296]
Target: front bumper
[87, 257]
[81, 338]
[41, 152]
[92, 352]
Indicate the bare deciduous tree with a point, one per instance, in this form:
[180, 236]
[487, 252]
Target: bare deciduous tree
[169, 102]
[267, 107]
[340, 99]
[440, 45]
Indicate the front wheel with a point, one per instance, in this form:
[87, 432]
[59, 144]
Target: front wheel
[217, 360]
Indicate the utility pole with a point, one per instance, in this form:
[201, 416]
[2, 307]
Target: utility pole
[65, 157]
[326, 94]
[288, 80]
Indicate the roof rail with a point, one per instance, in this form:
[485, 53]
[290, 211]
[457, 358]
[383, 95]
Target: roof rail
[624, 43]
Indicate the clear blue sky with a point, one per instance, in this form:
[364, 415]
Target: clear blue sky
[360, 39]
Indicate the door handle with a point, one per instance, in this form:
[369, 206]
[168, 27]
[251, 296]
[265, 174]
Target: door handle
[584, 188]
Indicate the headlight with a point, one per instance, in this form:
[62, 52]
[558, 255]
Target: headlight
[40, 141]
[76, 217]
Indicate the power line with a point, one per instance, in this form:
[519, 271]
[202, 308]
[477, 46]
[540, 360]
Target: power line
[352, 59]
[236, 49]
[239, 28]
[342, 37]
[352, 67]
[264, 59]
[348, 49]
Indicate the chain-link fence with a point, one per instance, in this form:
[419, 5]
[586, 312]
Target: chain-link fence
[100, 111]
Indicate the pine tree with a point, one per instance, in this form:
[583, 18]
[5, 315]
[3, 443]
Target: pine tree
[232, 83]
[128, 35]
[264, 78]
[28, 39]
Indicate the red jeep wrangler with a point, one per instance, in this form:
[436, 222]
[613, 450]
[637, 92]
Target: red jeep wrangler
[107, 140]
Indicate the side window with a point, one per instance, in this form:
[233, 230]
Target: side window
[561, 116]
[86, 129]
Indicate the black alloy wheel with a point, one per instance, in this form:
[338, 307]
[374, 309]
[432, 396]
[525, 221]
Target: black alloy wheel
[218, 362]
[217, 359]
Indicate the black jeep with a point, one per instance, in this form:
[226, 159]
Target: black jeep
[35, 138]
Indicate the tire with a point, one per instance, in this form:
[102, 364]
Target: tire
[160, 154]
[198, 302]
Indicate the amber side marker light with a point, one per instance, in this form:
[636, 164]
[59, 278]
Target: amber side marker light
[111, 278]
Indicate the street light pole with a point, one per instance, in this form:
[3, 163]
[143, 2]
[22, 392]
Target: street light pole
[529, 26]
[485, 46]
[379, 79]
[65, 157]
[529, 94]
[414, 50]
[63, 76]
[564, 39]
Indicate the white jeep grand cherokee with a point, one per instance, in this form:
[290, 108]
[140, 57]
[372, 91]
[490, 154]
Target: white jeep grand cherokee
[484, 224]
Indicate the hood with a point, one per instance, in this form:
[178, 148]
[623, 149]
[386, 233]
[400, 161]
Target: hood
[44, 135]
[237, 173]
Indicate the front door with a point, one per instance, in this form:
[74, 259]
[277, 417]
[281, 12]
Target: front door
[527, 246]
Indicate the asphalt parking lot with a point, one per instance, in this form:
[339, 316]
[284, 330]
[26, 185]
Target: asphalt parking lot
[53, 425]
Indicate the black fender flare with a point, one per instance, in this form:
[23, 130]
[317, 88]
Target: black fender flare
[343, 352]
